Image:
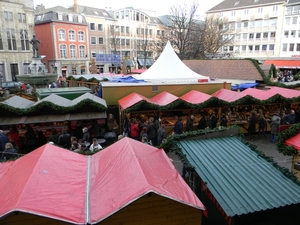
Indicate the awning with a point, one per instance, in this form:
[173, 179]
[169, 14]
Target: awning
[51, 118]
[130, 62]
[289, 64]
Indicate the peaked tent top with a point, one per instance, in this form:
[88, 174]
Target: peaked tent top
[169, 68]
[89, 189]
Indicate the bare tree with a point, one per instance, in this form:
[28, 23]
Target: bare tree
[192, 38]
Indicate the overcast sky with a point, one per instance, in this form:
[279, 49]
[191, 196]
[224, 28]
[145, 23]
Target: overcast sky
[161, 7]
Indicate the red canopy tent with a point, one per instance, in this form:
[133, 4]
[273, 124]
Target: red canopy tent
[164, 98]
[285, 92]
[66, 186]
[132, 99]
[259, 94]
[195, 97]
[228, 95]
[294, 141]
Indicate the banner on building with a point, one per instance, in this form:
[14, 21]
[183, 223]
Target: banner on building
[108, 58]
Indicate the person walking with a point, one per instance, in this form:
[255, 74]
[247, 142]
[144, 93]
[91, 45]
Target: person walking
[161, 134]
[275, 123]
[252, 125]
[178, 129]
[262, 124]
[190, 123]
[289, 118]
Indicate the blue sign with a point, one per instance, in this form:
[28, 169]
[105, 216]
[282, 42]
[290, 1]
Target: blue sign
[108, 58]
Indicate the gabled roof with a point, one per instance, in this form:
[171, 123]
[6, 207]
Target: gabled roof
[88, 189]
[240, 180]
[195, 97]
[228, 95]
[294, 141]
[133, 99]
[19, 102]
[240, 4]
[164, 98]
[225, 69]
[169, 68]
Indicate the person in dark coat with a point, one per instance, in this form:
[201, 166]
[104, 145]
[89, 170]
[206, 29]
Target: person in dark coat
[77, 132]
[54, 136]
[3, 140]
[202, 123]
[190, 123]
[9, 153]
[161, 134]
[64, 139]
[30, 138]
[214, 121]
[289, 118]
[262, 125]
[178, 129]
[224, 121]
[252, 125]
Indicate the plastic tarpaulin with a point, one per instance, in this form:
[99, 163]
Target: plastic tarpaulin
[294, 141]
[228, 95]
[164, 98]
[63, 185]
[128, 79]
[243, 86]
[195, 97]
[132, 99]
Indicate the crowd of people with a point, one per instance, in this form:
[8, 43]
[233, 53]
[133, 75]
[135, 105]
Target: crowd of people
[285, 76]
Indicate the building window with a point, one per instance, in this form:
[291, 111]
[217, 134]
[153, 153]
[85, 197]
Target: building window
[291, 49]
[8, 16]
[127, 42]
[245, 24]
[22, 17]
[127, 30]
[71, 35]
[93, 40]
[61, 34]
[271, 47]
[122, 41]
[100, 27]
[158, 32]
[60, 17]
[117, 29]
[1, 42]
[244, 47]
[251, 24]
[63, 51]
[70, 17]
[250, 47]
[275, 9]
[273, 22]
[238, 25]
[264, 47]
[24, 40]
[142, 31]
[298, 48]
[294, 20]
[258, 35]
[287, 21]
[298, 33]
[251, 36]
[257, 48]
[73, 51]
[293, 33]
[284, 47]
[237, 37]
[138, 30]
[258, 23]
[82, 51]
[92, 26]
[11, 39]
[266, 23]
[265, 35]
[100, 40]
[244, 36]
[150, 32]
[93, 53]
[272, 34]
[286, 33]
[122, 29]
[81, 36]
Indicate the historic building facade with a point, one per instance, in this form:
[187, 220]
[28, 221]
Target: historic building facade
[17, 19]
[64, 40]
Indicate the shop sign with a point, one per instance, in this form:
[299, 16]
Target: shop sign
[108, 58]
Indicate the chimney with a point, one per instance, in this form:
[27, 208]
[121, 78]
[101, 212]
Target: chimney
[75, 6]
[39, 8]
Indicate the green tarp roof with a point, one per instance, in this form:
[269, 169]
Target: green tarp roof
[241, 181]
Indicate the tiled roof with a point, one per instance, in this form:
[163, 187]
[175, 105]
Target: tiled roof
[225, 69]
[235, 4]
[241, 181]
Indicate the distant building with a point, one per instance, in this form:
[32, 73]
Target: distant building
[15, 33]
[64, 40]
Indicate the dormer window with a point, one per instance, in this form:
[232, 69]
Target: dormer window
[60, 17]
[255, 1]
[80, 19]
[237, 3]
[70, 17]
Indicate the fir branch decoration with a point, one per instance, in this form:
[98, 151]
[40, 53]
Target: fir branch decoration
[285, 135]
